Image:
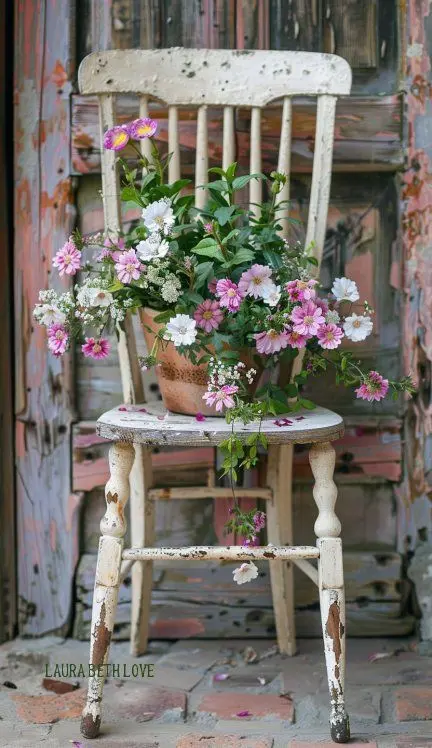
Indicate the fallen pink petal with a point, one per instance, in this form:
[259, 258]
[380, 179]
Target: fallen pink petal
[200, 417]
[220, 677]
[245, 713]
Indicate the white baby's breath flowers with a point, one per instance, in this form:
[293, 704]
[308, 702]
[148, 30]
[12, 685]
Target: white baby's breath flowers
[357, 327]
[171, 289]
[332, 317]
[345, 289]
[152, 247]
[159, 216]
[181, 330]
[245, 573]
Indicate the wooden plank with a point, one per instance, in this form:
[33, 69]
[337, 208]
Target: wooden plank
[44, 216]
[367, 133]
[370, 576]
[8, 580]
[351, 31]
[296, 24]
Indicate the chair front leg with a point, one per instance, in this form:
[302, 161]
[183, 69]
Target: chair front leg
[107, 582]
[142, 518]
[331, 585]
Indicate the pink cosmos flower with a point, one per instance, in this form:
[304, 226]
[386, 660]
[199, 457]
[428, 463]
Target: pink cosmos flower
[58, 339]
[208, 315]
[212, 285]
[271, 341]
[307, 318]
[93, 348]
[296, 339]
[298, 290]
[256, 281]
[322, 304]
[141, 128]
[329, 336]
[110, 248]
[222, 397]
[375, 387]
[67, 259]
[128, 266]
[259, 521]
[116, 138]
[229, 294]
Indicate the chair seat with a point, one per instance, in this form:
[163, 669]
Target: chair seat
[153, 424]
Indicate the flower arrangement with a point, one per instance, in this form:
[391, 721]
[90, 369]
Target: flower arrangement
[230, 293]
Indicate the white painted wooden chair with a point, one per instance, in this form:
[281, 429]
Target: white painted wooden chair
[228, 79]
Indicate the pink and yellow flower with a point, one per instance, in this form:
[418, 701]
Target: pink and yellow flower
[375, 387]
[296, 339]
[208, 315]
[96, 348]
[58, 339]
[116, 138]
[329, 336]
[222, 397]
[256, 281]
[307, 318]
[271, 341]
[141, 128]
[68, 259]
[298, 290]
[229, 294]
[128, 267]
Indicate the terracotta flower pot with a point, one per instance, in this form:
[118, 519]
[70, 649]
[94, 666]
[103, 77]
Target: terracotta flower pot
[182, 384]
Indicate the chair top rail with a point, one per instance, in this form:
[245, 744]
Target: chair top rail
[218, 77]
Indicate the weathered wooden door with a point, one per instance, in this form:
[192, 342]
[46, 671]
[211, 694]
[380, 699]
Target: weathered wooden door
[365, 240]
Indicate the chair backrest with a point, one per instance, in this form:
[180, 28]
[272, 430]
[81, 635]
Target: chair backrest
[222, 78]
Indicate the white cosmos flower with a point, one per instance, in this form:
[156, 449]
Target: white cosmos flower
[357, 327]
[181, 330]
[245, 573]
[332, 317]
[159, 216]
[345, 290]
[272, 295]
[49, 314]
[153, 247]
[88, 296]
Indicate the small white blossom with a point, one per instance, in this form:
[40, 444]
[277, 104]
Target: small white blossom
[357, 327]
[49, 314]
[171, 290]
[245, 573]
[88, 296]
[151, 248]
[332, 317]
[345, 290]
[272, 295]
[159, 216]
[181, 330]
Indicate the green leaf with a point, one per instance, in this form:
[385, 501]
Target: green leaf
[308, 404]
[202, 272]
[242, 181]
[130, 194]
[223, 215]
[208, 247]
[291, 390]
[217, 170]
[272, 258]
[164, 316]
[242, 255]
[116, 286]
[191, 297]
[219, 185]
[230, 172]
[312, 261]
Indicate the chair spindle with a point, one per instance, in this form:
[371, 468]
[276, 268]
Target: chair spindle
[284, 163]
[201, 164]
[255, 186]
[173, 144]
[228, 154]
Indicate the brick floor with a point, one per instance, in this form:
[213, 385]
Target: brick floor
[413, 703]
[246, 706]
[389, 701]
[222, 741]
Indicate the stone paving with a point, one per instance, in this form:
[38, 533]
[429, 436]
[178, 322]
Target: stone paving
[215, 694]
